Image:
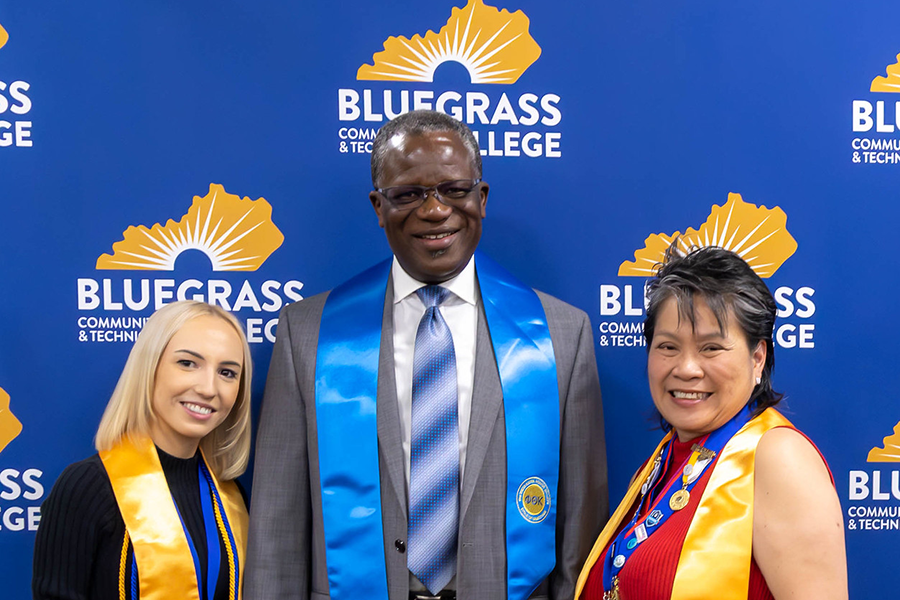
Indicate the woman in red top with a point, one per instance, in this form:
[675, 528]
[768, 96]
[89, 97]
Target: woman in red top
[735, 503]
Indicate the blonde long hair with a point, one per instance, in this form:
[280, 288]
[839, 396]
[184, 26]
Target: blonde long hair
[130, 409]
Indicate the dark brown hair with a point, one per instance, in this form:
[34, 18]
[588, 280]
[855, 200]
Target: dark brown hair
[726, 283]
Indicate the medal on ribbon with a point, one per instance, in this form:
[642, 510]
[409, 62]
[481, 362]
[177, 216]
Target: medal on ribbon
[661, 504]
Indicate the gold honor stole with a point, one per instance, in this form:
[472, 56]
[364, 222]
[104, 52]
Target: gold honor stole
[715, 558]
[165, 563]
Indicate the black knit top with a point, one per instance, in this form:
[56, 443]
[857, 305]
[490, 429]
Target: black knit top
[78, 546]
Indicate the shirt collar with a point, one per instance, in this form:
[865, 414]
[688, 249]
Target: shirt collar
[462, 286]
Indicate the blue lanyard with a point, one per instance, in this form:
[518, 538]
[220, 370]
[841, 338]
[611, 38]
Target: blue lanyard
[213, 554]
[640, 528]
[212, 538]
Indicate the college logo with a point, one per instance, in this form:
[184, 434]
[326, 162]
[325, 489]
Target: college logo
[14, 99]
[891, 450]
[494, 47]
[891, 83]
[759, 235]
[17, 486]
[230, 233]
[882, 116]
[10, 426]
[235, 234]
[756, 233]
[533, 499]
[874, 493]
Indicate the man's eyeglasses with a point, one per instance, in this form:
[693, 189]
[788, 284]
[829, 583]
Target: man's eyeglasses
[452, 193]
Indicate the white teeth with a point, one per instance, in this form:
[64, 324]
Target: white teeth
[203, 410]
[436, 236]
[690, 395]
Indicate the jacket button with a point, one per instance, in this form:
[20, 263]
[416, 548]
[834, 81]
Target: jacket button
[400, 545]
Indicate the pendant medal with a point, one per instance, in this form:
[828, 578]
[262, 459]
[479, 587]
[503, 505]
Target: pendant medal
[679, 499]
[613, 594]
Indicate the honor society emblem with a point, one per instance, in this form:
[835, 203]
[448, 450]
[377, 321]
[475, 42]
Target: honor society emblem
[533, 500]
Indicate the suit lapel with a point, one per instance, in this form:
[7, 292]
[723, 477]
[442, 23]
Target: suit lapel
[388, 413]
[487, 397]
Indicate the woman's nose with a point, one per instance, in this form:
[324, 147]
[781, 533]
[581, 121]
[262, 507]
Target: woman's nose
[206, 383]
[688, 367]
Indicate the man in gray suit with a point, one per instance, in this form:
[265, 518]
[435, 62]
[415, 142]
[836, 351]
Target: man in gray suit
[352, 496]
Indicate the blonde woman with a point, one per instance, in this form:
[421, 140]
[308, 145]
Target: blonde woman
[156, 513]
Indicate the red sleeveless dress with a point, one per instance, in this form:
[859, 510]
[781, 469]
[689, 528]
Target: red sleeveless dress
[649, 573]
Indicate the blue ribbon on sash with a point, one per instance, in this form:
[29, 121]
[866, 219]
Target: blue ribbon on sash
[627, 540]
[346, 399]
[527, 366]
[346, 392]
[212, 541]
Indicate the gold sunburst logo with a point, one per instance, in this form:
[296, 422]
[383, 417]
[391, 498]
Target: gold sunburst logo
[757, 234]
[4, 37]
[891, 450]
[493, 45]
[10, 426]
[889, 83]
[236, 234]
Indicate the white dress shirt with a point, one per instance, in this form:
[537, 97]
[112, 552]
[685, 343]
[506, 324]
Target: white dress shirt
[460, 311]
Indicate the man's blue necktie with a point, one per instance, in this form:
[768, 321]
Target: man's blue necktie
[434, 455]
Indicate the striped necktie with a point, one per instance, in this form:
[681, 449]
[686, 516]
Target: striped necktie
[434, 455]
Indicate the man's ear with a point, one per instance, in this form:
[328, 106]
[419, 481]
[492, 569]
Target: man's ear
[377, 203]
[485, 188]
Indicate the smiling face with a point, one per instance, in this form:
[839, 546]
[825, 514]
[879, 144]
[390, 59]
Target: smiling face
[434, 241]
[700, 377]
[196, 385]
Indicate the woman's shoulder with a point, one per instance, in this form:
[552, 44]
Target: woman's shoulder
[798, 531]
[791, 477]
[81, 475]
[787, 450]
[80, 534]
[82, 491]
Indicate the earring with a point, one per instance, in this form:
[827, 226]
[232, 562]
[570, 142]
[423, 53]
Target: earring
[758, 380]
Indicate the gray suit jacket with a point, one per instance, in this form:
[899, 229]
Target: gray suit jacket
[286, 554]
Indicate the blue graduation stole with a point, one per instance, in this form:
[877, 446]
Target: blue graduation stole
[346, 399]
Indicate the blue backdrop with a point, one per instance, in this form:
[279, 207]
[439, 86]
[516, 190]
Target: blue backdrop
[150, 150]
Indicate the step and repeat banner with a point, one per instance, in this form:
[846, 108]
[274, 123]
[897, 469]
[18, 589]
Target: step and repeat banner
[160, 150]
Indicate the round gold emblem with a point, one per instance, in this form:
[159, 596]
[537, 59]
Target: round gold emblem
[679, 499]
